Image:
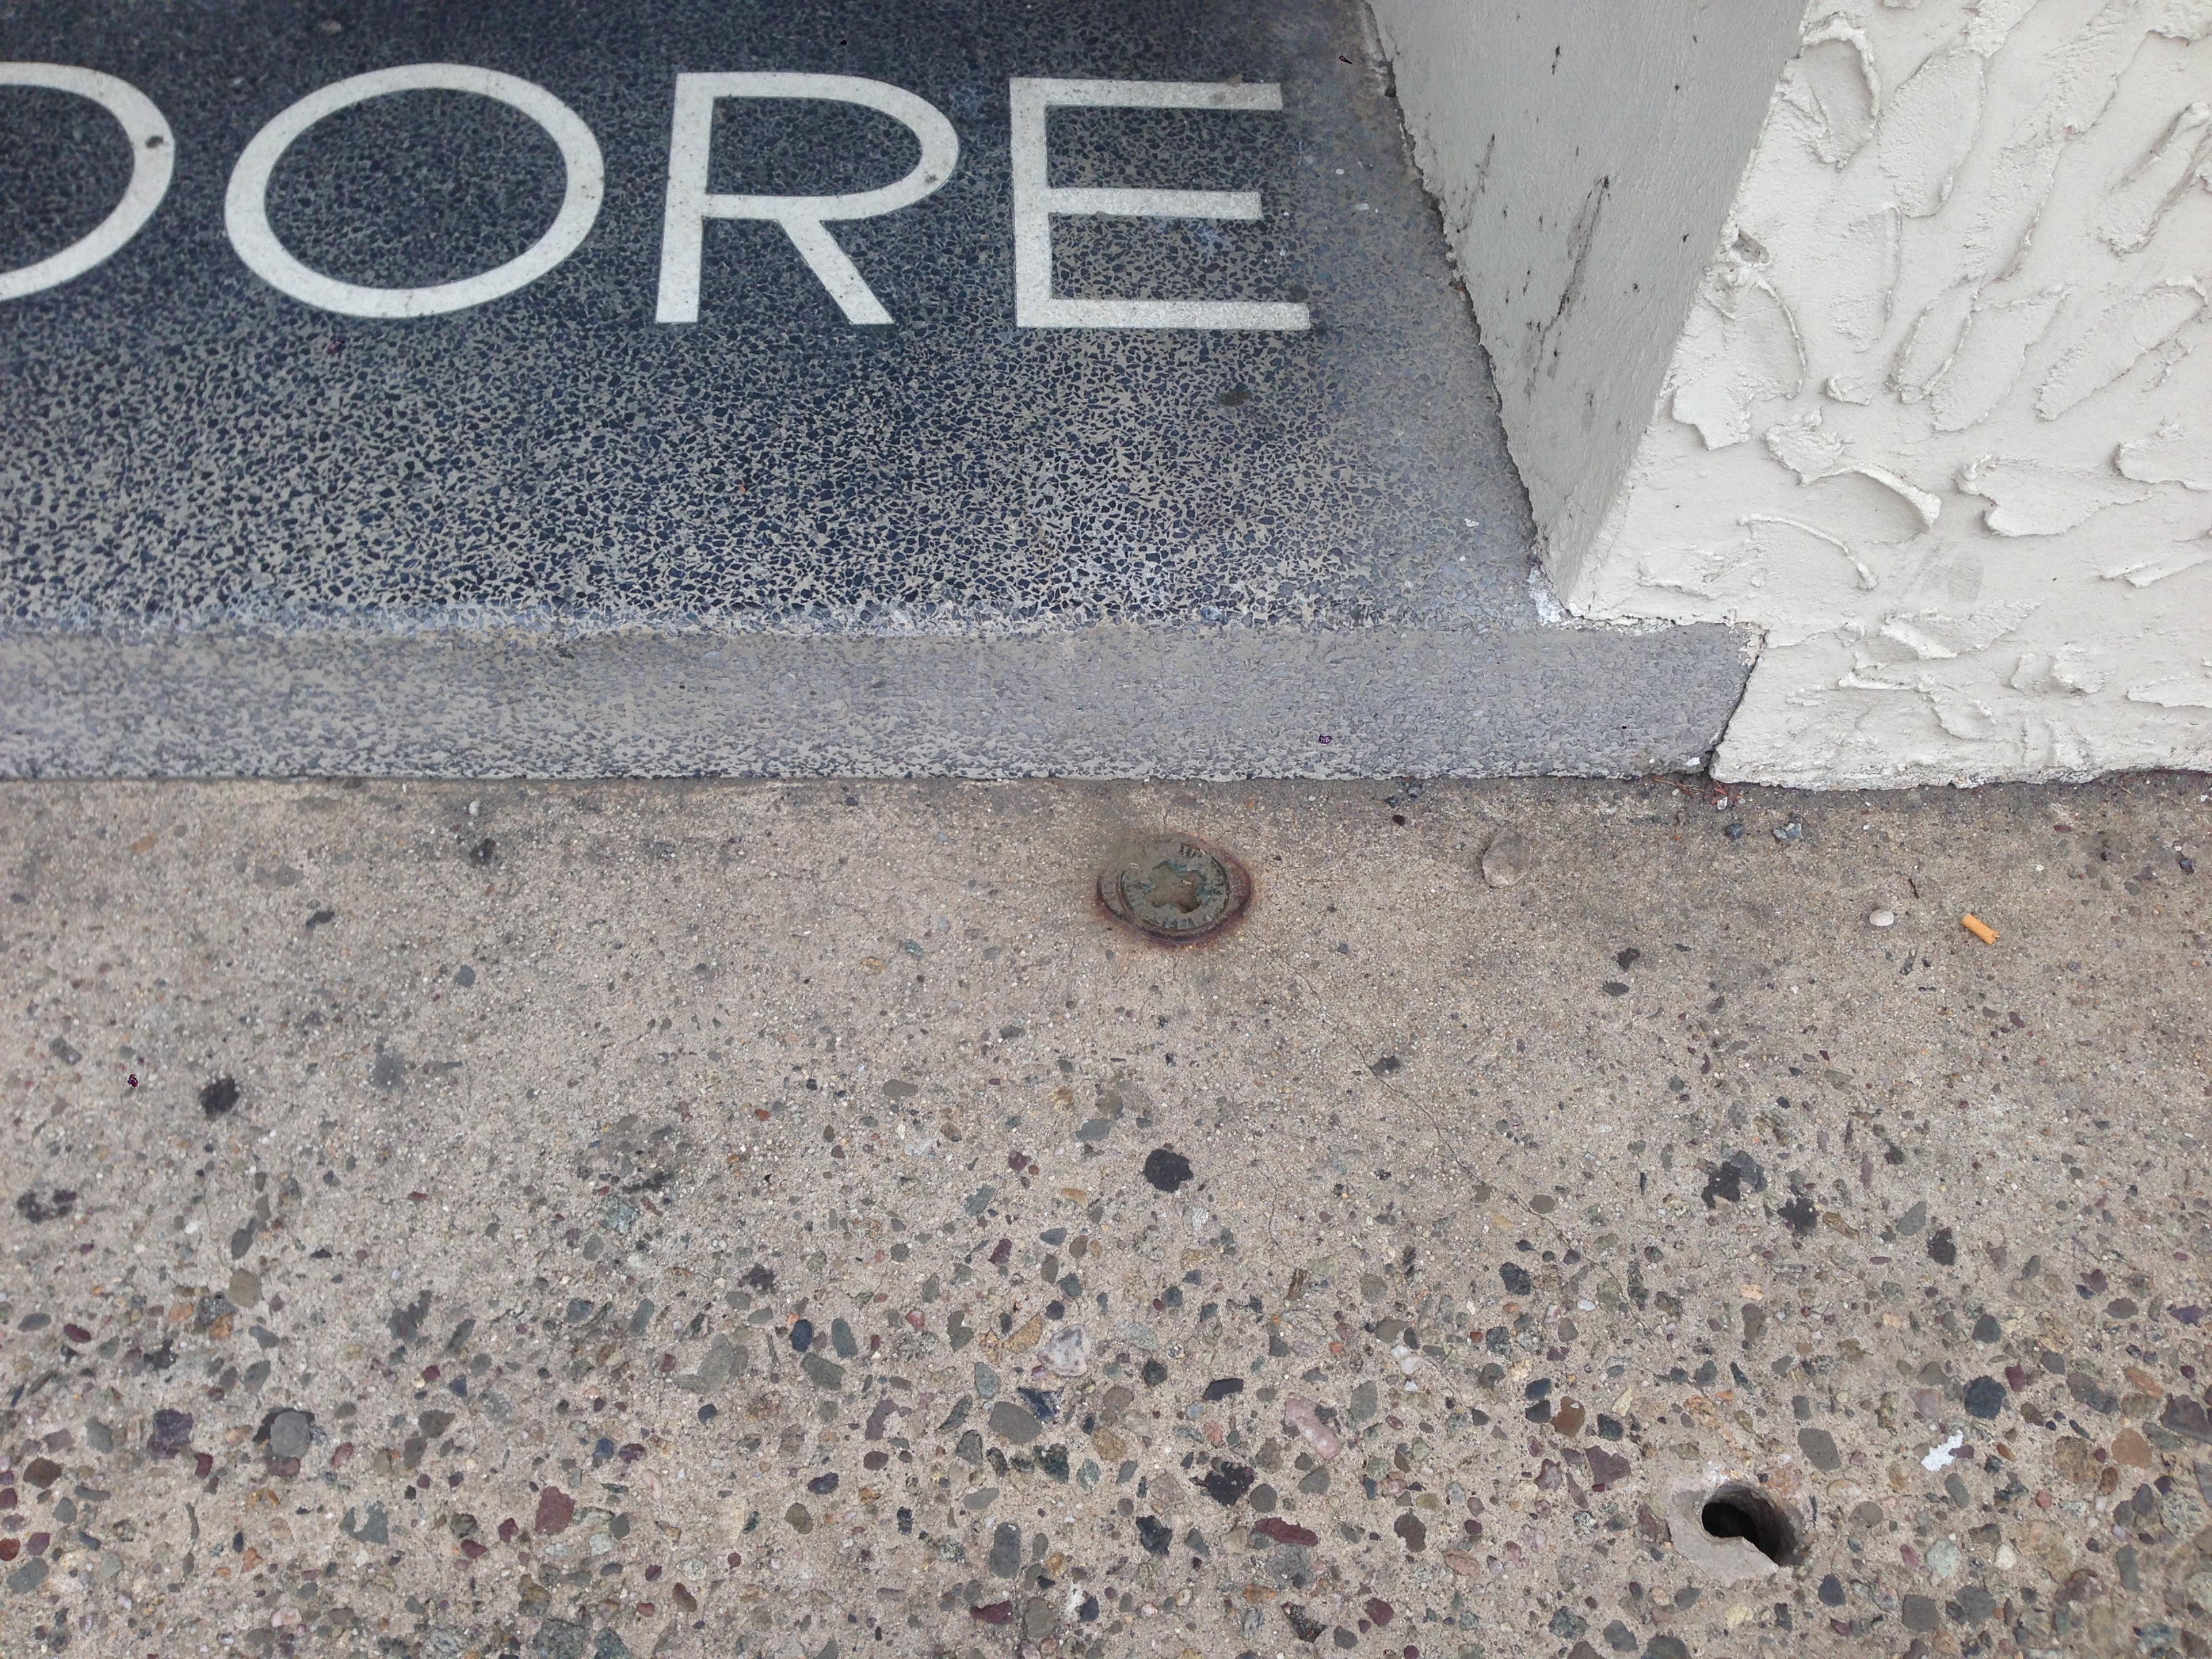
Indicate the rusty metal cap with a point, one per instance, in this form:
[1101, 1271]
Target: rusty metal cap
[1174, 889]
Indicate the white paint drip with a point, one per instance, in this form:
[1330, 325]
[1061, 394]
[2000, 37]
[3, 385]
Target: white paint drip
[1940, 1455]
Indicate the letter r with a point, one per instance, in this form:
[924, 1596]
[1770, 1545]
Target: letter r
[803, 217]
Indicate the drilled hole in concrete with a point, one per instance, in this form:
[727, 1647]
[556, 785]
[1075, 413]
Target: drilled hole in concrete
[1746, 1512]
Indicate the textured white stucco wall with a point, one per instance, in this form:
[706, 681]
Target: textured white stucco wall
[1584, 154]
[1940, 422]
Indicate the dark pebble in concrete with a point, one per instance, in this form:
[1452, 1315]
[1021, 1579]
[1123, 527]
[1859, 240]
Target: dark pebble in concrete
[1167, 1169]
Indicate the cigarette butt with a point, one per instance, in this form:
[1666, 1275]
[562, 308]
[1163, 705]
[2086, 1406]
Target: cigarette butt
[1980, 929]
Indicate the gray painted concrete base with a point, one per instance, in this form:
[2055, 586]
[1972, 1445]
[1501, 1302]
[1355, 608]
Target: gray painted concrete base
[1103, 702]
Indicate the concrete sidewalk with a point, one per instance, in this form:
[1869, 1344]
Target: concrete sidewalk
[793, 1219]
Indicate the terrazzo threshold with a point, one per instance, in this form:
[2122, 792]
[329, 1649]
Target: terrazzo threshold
[671, 388]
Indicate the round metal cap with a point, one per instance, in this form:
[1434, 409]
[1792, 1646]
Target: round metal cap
[1176, 889]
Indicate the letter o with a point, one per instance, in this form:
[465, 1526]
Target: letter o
[246, 207]
[153, 159]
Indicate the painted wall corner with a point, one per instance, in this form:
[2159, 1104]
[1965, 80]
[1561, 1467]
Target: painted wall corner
[1939, 423]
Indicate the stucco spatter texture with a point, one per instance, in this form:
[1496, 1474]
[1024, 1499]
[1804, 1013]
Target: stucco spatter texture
[1583, 156]
[1940, 423]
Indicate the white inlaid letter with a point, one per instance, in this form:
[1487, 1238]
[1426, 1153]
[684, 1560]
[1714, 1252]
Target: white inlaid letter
[153, 159]
[803, 217]
[245, 208]
[1036, 201]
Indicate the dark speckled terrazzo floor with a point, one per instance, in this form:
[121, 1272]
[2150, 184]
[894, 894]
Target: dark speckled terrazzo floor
[217, 501]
